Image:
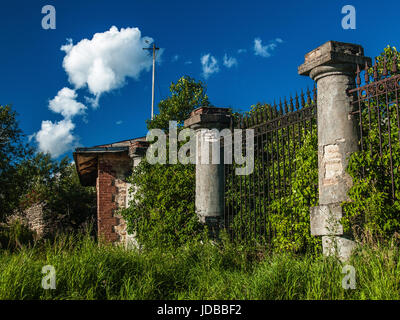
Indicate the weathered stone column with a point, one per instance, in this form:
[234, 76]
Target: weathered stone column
[333, 67]
[209, 201]
[137, 151]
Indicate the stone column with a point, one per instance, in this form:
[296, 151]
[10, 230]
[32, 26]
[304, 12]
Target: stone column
[333, 66]
[137, 151]
[209, 201]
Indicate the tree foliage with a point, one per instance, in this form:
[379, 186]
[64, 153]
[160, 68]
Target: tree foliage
[161, 212]
[187, 94]
[13, 150]
[56, 183]
[28, 178]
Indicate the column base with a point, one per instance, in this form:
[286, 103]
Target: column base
[340, 247]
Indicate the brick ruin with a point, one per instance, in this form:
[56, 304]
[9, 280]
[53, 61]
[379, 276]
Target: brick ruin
[107, 167]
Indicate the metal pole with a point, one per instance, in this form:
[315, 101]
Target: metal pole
[154, 48]
[154, 68]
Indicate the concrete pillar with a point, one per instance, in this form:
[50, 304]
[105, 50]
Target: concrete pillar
[209, 201]
[137, 151]
[333, 66]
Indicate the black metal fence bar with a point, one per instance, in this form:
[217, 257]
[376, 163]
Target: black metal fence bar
[279, 131]
[376, 105]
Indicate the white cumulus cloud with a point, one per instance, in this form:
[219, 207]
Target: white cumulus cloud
[65, 103]
[104, 62]
[229, 62]
[101, 64]
[209, 65]
[265, 50]
[56, 138]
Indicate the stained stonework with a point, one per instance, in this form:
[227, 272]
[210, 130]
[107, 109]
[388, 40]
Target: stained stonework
[122, 190]
[332, 163]
[333, 67]
[34, 218]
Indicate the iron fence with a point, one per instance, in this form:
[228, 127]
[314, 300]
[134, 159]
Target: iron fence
[251, 210]
[376, 106]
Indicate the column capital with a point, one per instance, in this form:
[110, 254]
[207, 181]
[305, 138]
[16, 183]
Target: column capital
[333, 57]
[208, 117]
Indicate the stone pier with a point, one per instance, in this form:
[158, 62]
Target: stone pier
[209, 201]
[333, 66]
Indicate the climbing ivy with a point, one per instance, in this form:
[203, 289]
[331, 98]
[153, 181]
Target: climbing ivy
[372, 208]
[374, 204]
[281, 219]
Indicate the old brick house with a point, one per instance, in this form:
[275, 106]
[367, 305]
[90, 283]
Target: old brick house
[107, 167]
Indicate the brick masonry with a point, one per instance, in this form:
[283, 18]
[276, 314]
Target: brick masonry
[112, 190]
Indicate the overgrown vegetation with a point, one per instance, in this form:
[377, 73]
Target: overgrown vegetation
[161, 212]
[13, 150]
[15, 235]
[282, 222]
[175, 264]
[28, 177]
[374, 208]
[68, 204]
[85, 270]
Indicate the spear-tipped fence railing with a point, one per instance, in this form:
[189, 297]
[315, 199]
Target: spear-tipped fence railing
[279, 132]
[376, 106]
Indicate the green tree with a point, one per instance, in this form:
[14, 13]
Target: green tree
[390, 55]
[56, 183]
[27, 178]
[13, 149]
[186, 95]
[162, 211]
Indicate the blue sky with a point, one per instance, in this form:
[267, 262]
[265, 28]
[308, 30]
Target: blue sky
[32, 71]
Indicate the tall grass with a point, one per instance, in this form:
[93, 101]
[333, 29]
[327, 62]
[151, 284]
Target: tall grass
[87, 270]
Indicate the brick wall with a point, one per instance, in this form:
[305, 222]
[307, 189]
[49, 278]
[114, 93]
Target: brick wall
[112, 188]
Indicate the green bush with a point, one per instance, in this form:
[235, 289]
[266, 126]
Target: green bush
[15, 235]
[162, 212]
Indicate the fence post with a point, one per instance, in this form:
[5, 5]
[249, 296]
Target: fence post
[333, 66]
[209, 201]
